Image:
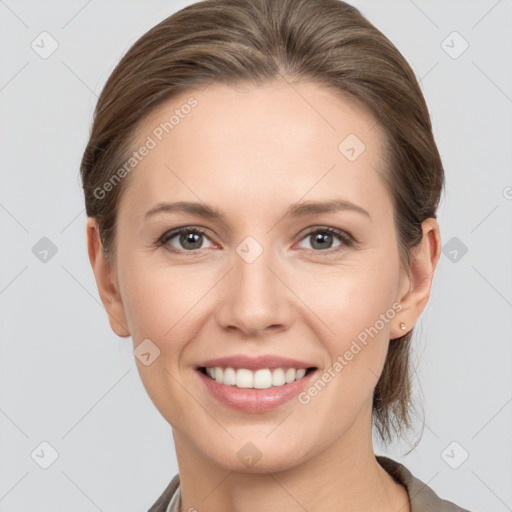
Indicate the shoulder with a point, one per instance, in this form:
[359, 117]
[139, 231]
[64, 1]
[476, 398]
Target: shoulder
[162, 503]
[421, 496]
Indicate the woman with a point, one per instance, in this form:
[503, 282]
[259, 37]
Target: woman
[261, 185]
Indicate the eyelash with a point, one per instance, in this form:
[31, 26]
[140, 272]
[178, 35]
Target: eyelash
[347, 240]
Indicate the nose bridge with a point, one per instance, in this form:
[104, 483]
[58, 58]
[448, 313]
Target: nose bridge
[255, 298]
[252, 265]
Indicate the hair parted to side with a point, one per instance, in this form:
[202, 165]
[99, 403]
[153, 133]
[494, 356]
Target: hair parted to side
[234, 42]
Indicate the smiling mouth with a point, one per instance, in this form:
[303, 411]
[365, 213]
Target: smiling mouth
[263, 378]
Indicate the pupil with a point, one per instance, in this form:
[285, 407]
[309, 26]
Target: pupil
[191, 238]
[322, 238]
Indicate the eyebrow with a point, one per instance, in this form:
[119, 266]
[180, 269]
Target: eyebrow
[302, 209]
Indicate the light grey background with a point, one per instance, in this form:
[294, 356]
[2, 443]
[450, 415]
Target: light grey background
[68, 380]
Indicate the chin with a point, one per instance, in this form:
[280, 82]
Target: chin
[255, 458]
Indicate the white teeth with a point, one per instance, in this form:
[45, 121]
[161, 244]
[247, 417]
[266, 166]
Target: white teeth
[262, 379]
[244, 378]
[278, 377]
[300, 373]
[289, 375]
[259, 379]
[229, 377]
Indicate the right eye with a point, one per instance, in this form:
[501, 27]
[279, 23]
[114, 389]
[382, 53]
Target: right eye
[190, 239]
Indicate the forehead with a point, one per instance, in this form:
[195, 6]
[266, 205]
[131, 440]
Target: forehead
[257, 143]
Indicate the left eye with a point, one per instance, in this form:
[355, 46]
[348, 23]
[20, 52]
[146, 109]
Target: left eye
[322, 239]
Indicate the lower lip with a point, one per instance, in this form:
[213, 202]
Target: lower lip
[255, 400]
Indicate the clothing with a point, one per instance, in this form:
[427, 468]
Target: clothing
[422, 497]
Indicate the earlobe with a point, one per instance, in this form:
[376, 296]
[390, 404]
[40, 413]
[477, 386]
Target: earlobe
[421, 272]
[105, 281]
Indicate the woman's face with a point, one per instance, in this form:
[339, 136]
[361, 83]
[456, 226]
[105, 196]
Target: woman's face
[266, 279]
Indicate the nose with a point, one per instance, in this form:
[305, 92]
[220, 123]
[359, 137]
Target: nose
[255, 299]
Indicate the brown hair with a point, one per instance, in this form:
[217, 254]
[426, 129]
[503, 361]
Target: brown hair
[256, 41]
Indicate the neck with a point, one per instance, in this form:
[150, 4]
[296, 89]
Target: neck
[345, 477]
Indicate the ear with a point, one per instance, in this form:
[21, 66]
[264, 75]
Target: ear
[105, 281]
[415, 288]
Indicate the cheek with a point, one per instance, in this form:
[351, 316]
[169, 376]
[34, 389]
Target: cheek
[159, 305]
[159, 299]
[356, 304]
[348, 299]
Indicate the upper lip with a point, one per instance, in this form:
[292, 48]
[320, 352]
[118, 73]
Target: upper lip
[255, 363]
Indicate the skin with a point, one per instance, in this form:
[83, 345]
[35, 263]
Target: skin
[252, 152]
